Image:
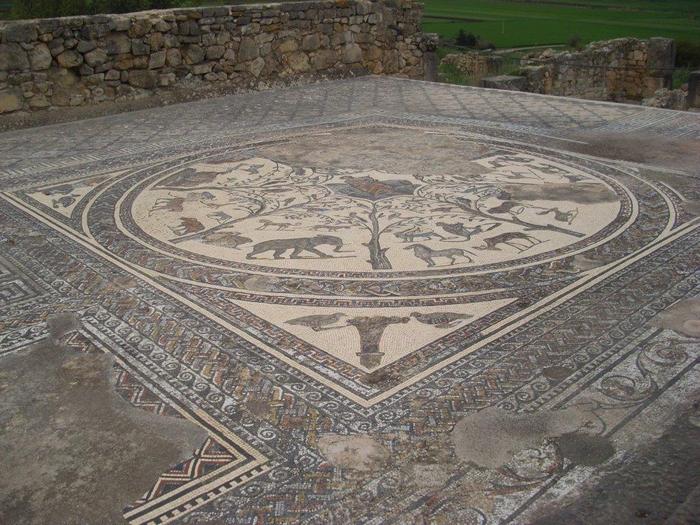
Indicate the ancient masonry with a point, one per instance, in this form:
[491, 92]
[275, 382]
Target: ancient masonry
[620, 69]
[91, 59]
[627, 68]
[476, 64]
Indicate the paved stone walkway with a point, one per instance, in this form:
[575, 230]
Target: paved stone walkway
[364, 301]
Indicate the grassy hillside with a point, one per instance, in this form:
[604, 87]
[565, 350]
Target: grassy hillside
[517, 23]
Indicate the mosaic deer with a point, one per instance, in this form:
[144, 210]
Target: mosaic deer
[278, 226]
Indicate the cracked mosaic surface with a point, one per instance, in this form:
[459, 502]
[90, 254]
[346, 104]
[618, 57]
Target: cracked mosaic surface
[340, 291]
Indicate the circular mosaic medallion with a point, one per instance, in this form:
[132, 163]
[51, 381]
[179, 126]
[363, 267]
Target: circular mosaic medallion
[265, 215]
[393, 213]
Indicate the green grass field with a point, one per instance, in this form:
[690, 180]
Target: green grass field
[519, 23]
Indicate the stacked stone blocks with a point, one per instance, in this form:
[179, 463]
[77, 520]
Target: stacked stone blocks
[91, 59]
[619, 69]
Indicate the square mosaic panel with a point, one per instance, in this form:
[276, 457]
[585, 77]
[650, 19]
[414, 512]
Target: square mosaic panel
[350, 268]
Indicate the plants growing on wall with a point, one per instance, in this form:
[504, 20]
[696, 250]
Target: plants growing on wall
[53, 8]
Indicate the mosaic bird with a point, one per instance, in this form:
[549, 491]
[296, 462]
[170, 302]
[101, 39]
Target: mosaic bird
[460, 230]
[512, 207]
[318, 322]
[440, 319]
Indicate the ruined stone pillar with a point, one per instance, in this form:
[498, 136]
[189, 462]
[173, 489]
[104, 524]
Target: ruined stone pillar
[661, 63]
[429, 45]
[430, 62]
[694, 90]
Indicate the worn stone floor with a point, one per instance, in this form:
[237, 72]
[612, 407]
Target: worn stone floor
[362, 301]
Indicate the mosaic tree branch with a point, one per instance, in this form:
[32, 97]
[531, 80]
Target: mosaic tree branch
[474, 210]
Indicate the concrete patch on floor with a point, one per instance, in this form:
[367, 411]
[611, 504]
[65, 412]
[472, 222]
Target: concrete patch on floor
[66, 435]
[656, 483]
[683, 318]
[430, 476]
[490, 438]
[377, 145]
[585, 449]
[61, 324]
[354, 453]
[643, 148]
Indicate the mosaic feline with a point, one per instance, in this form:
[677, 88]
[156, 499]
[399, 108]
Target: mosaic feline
[303, 244]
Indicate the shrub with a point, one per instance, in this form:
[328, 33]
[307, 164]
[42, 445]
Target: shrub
[452, 75]
[575, 41]
[466, 39]
[680, 77]
[485, 44]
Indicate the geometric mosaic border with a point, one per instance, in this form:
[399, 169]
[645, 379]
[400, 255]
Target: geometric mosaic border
[192, 491]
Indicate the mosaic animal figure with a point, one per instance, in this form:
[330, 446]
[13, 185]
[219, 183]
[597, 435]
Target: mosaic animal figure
[226, 239]
[219, 216]
[561, 216]
[298, 245]
[318, 322]
[369, 185]
[505, 161]
[517, 240]
[428, 255]
[277, 226]
[512, 207]
[461, 230]
[173, 204]
[440, 319]
[188, 178]
[414, 233]
[187, 225]
[329, 227]
[64, 202]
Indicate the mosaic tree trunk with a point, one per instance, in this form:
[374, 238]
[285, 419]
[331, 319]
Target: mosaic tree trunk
[377, 254]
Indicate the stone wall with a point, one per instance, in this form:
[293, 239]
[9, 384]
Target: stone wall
[620, 69]
[86, 60]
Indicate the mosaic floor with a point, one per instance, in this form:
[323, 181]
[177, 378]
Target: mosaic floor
[376, 300]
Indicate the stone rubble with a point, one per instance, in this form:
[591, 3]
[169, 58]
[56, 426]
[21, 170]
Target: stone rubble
[667, 99]
[622, 69]
[619, 69]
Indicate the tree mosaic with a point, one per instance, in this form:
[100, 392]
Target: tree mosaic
[515, 203]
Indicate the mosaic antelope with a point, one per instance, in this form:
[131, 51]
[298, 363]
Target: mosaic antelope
[278, 226]
[517, 240]
[428, 255]
[561, 216]
[175, 204]
[413, 233]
